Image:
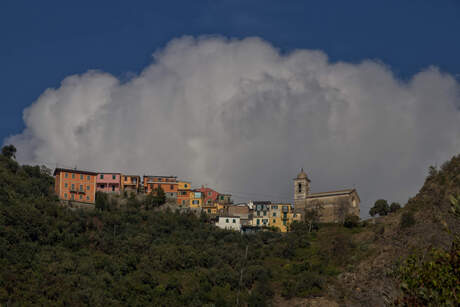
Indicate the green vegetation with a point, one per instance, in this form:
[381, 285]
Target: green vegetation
[436, 281]
[380, 207]
[129, 255]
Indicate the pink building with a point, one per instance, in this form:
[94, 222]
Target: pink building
[108, 182]
[210, 196]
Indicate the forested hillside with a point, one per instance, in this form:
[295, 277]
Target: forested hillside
[50, 255]
[135, 256]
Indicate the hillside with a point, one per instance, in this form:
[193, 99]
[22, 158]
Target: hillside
[373, 281]
[50, 255]
[127, 255]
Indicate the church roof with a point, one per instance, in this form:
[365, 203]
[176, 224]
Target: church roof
[332, 193]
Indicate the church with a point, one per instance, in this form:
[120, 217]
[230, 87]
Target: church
[332, 206]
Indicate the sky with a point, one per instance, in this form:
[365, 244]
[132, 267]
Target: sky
[236, 94]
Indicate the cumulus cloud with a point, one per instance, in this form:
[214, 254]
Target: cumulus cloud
[240, 116]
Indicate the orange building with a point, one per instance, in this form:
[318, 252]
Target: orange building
[75, 185]
[169, 185]
[183, 193]
[130, 183]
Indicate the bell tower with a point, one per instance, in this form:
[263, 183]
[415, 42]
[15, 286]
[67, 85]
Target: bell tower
[301, 188]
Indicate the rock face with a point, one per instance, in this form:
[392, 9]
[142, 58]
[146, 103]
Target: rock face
[332, 206]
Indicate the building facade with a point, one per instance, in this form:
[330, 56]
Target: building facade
[229, 223]
[196, 199]
[169, 185]
[332, 207]
[183, 193]
[130, 183]
[209, 195]
[108, 182]
[75, 185]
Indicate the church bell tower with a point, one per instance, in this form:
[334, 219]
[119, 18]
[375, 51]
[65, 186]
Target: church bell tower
[301, 188]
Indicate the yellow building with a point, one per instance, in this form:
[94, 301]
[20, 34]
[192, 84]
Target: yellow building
[183, 193]
[196, 199]
[273, 215]
[281, 216]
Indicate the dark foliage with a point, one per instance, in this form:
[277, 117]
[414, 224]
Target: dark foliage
[394, 207]
[51, 255]
[380, 207]
[351, 221]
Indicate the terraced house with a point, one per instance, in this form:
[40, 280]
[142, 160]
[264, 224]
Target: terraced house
[183, 193]
[169, 185]
[75, 185]
[108, 182]
[130, 183]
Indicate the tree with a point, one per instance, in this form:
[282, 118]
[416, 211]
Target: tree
[394, 207]
[9, 151]
[351, 221]
[380, 207]
[312, 215]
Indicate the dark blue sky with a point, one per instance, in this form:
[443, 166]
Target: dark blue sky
[44, 41]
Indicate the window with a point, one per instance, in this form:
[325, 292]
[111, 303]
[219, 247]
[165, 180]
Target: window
[185, 185]
[113, 188]
[81, 188]
[274, 221]
[72, 196]
[226, 220]
[274, 213]
[172, 187]
[101, 176]
[183, 202]
[209, 210]
[66, 175]
[114, 177]
[265, 213]
[73, 187]
[65, 195]
[81, 177]
[66, 185]
[87, 187]
[258, 222]
[258, 213]
[284, 222]
[300, 187]
[275, 207]
[73, 176]
[234, 221]
[88, 178]
[81, 196]
[209, 193]
[87, 197]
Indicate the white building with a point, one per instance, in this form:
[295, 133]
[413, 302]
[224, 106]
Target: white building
[229, 222]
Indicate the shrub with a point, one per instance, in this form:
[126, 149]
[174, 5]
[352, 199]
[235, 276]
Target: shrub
[394, 207]
[351, 221]
[380, 207]
[407, 219]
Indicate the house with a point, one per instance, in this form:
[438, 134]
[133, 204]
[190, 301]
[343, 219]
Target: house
[229, 223]
[260, 216]
[75, 185]
[332, 206]
[183, 193]
[224, 198]
[196, 199]
[209, 195]
[281, 216]
[130, 183]
[108, 182]
[169, 185]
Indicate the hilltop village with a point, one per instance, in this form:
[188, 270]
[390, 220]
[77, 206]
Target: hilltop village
[78, 188]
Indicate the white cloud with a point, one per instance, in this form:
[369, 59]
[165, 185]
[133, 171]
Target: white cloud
[239, 116]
